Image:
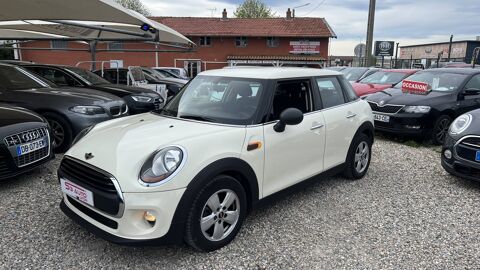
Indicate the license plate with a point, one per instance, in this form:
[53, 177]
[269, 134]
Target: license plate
[77, 192]
[381, 118]
[477, 158]
[31, 146]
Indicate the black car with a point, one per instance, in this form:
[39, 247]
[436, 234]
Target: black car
[120, 76]
[67, 110]
[442, 95]
[461, 150]
[139, 100]
[25, 141]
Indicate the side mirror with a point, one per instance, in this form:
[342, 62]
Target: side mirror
[291, 117]
[471, 92]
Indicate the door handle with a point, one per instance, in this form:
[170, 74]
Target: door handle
[317, 126]
[351, 115]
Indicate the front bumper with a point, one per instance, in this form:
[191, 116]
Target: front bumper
[131, 228]
[406, 124]
[457, 165]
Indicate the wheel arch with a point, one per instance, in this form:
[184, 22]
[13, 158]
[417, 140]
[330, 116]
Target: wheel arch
[235, 167]
[368, 129]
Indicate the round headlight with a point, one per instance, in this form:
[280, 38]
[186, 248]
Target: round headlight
[161, 165]
[461, 124]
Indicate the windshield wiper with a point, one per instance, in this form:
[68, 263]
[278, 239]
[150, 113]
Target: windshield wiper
[196, 117]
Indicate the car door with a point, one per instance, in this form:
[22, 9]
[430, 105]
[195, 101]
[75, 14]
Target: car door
[470, 102]
[340, 112]
[296, 153]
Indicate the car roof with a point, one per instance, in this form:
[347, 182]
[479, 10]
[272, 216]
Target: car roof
[270, 72]
[406, 71]
[466, 71]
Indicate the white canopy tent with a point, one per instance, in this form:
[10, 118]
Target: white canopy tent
[81, 20]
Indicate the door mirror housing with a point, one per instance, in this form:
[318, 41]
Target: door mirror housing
[471, 92]
[291, 117]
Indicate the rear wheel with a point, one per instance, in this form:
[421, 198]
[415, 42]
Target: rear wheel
[440, 129]
[216, 214]
[358, 158]
[61, 132]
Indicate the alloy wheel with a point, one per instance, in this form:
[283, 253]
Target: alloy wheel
[220, 215]
[57, 131]
[362, 155]
[442, 129]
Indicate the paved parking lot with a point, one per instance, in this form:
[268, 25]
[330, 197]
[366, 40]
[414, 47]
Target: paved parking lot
[407, 213]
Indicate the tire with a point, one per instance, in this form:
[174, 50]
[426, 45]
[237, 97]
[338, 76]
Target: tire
[358, 157]
[228, 224]
[60, 131]
[440, 129]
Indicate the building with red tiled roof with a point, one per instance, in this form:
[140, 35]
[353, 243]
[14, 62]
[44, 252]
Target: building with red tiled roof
[221, 41]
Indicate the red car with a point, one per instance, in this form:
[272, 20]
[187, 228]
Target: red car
[381, 80]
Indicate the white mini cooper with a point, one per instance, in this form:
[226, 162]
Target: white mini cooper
[192, 171]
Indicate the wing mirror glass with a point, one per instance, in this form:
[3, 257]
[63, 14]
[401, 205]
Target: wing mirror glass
[291, 117]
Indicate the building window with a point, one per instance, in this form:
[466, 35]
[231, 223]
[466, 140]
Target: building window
[205, 41]
[115, 46]
[241, 41]
[273, 42]
[59, 44]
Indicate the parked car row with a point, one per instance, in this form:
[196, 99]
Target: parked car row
[43, 108]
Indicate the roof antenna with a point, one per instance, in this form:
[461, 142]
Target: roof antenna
[212, 11]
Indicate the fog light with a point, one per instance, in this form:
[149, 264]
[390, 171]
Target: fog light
[150, 218]
[412, 127]
[448, 154]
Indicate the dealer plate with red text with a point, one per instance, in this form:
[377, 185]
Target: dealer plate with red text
[75, 191]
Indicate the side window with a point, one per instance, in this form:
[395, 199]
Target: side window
[292, 94]
[56, 76]
[331, 92]
[474, 83]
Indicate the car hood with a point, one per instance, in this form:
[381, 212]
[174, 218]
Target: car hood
[397, 96]
[368, 88]
[123, 90]
[72, 93]
[122, 146]
[15, 115]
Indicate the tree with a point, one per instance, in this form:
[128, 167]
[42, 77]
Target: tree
[134, 5]
[253, 9]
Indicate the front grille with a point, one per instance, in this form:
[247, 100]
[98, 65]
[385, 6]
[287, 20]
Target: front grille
[31, 157]
[12, 141]
[472, 141]
[25, 137]
[100, 183]
[467, 148]
[391, 109]
[85, 175]
[115, 111]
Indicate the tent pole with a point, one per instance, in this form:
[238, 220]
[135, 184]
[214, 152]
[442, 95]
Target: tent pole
[93, 50]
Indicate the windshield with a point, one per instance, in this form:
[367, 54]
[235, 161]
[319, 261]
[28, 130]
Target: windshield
[353, 74]
[218, 99]
[443, 82]
[89, 76]
[384, 77]
[15, 78]
[166, 73]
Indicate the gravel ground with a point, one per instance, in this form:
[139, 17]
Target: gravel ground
[407, 213]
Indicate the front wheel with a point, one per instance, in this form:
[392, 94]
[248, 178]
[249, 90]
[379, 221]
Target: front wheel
[358, 158]
[216, 214]
[440, 129]
[61, 132]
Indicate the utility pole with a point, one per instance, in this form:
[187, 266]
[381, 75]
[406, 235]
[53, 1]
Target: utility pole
[396, 55]
[450, 48]
[371, 20]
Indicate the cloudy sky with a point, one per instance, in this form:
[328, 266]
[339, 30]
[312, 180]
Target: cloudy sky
[404, 21]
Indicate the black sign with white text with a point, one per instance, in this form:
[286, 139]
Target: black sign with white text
[384, 48]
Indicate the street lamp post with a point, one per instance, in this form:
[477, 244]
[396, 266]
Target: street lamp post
[371, 20]
[450, 48]
[396, 55]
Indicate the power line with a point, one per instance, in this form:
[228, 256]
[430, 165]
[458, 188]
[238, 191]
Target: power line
[315, 8]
